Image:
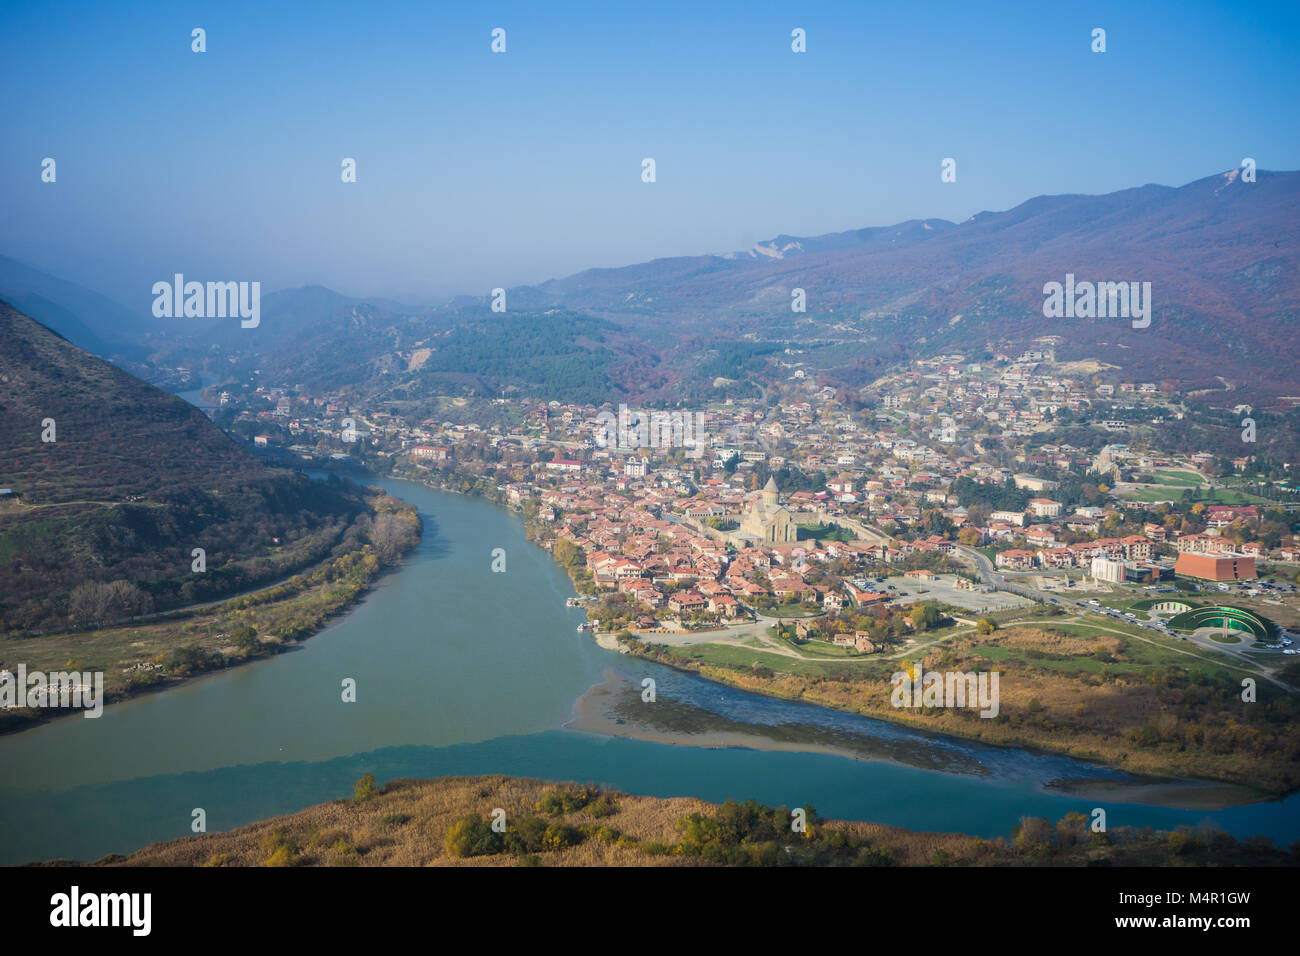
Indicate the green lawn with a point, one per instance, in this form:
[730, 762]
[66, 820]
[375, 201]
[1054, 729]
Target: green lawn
[1161, 653]
[1180, 478]
[819, 649]
[823, 532]
[740, 658]
[792, 610]
[1219, 496]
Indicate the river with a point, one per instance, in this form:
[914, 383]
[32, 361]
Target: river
[461, 670]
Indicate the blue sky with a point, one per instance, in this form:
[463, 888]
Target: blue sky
[478, 170]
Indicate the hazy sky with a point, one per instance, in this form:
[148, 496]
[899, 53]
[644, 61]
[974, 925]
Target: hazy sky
[478, 169]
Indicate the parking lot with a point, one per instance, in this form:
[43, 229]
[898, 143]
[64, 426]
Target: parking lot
[945, 591]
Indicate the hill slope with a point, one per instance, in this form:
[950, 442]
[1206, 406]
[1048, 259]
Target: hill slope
[446, 822]
[132, 481]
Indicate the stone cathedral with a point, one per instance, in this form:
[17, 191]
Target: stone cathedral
[765, 521]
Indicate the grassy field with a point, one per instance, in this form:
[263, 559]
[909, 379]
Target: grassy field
[1225, 638]
[823, 532]
[794, 610]
[1219, 496]
[743, 658]
[1180, 478]
[817, 648]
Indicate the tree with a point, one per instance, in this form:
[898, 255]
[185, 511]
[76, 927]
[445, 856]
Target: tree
[1072, 829]
[88, 604]
[925, 615]
[245, 638]
[567, 554]
[1033, 833]
[96, 603]
[127, 600]
[985, 626]
[389, 535]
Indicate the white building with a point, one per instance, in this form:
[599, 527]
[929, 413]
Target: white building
[1108, 569]
[1032, 483]
[1044, 507]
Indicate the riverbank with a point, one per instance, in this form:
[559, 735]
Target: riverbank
[185, 644]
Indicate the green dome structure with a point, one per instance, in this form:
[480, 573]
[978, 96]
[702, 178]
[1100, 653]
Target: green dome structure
[1224, 616]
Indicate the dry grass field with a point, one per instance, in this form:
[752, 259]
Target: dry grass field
[412, 823]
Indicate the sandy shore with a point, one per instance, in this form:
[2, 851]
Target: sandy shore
[592, 714]
[614, 708]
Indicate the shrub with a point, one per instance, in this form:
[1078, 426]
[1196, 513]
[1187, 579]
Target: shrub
[603, 806]
[560, 835]
[870, 856]
[471, 836]
[345, 854]
[364, 789]
[282, 856]
[281, 850]
[564, 800]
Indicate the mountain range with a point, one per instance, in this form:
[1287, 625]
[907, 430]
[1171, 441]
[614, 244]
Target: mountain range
[1221, 255]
